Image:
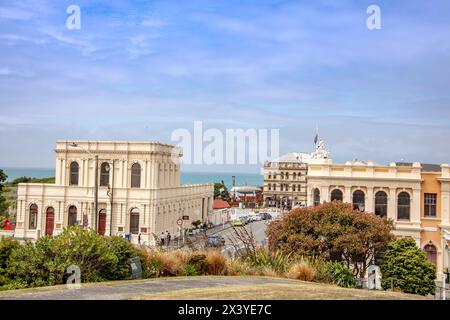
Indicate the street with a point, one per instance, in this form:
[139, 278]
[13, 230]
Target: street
[258, 228]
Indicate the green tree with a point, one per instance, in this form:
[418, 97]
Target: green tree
[407, 268]
[4, 202]
[334, 232]
[221, 191]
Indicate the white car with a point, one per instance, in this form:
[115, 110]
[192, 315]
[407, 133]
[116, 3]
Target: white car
[256, 217]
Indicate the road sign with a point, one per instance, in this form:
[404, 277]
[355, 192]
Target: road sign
[185, 217]
[180, 222]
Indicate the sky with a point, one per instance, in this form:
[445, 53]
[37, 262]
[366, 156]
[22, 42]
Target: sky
[138, 70]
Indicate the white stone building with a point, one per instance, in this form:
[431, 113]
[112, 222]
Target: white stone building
[139, 192]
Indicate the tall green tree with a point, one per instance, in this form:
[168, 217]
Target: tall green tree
[407, 268]
[221, 191]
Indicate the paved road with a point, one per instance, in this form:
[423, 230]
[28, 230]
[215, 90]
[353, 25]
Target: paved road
[123, 290]
[258, 228]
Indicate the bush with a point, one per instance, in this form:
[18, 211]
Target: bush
[302, 270]
[262, 258]
[124, 251]
[331, 231]
[216, 263]
[341, 275]
[189, 271]
[200, 264]
[45, 262]
[238, 267]
[407, 268]
[7, 245]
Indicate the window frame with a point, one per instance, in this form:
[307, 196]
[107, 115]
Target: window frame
[74, 175]
[136, 174]
[381, 206]
[33, 216]
[430, 205]
[404, 206]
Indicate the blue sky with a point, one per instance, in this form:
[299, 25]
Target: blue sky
[138, 70]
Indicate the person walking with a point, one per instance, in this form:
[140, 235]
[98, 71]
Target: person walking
[168, 238]
[139, 239]
[163, 237]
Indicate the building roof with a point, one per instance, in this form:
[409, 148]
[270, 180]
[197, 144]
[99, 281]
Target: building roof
[296, 157]
[426, 167]
[220, 204]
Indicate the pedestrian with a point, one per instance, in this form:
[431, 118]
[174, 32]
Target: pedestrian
[139, 238]
[168, 238]
[163, 237]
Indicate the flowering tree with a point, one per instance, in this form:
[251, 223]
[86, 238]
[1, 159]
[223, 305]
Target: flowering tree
[333, 231]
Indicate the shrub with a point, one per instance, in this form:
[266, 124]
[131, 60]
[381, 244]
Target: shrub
[331, 231]
[302, 270]
[341, 275]
[216, 263]
[190, 271]
[200, 264]
[407, 268]
[124, 251]
[152, 263]
[262, 258]
[7, 245]
[239, 267]
[172, 264]
[46, 261]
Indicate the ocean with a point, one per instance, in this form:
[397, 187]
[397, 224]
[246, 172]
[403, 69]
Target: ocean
[187, 177]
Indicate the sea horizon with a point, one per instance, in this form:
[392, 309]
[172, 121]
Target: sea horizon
[186, 177]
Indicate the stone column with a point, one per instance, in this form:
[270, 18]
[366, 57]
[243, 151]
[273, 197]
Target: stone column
[370, 200]
[416, 206]
[392, 204]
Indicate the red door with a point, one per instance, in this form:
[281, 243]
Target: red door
[102, 222]
[49, 221]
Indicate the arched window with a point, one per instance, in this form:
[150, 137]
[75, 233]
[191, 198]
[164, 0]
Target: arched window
[282, 176]
[104, 174]
[431, 253]
[359, 200]
[294, 176]
[74, 173]
[136, 175]
[32, 221]
[274, 187]
[281, 187]
[316, 197]
[403, 206]
[72, 219]
[134, 221]
[381, 203]
[293, 187]
[270, 176]
[287, 175]
[274, 176]
[336, 195]
[269, 187]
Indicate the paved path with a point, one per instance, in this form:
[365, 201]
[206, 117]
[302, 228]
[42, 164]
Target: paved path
[123, 290]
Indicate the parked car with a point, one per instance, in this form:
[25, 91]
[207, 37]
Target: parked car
[265, 216]
[256, 217]
[215, 241]
[238, 222]
[248, 219]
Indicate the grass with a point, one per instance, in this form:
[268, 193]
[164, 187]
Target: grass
[295, 291]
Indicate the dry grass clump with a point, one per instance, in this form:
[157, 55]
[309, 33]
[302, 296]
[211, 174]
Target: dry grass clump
[301, 270]
[238, 267]
[216, 263]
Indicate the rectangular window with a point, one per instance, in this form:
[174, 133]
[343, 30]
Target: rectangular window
[430, 201]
